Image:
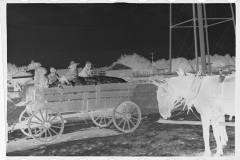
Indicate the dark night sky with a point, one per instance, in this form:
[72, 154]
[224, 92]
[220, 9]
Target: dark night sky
[55, 34]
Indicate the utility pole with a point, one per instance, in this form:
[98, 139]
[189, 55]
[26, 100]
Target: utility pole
[170, 40]
[207, 43]
[201, 38]
[152, 57]
[195, 37]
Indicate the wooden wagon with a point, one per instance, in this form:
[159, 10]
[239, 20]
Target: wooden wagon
[44, 118]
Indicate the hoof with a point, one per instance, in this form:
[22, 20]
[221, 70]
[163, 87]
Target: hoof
[207, 154]
[218, 154]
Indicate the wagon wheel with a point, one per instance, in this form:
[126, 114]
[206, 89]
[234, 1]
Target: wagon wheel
[23, 119]
[126, 116]
[46, 125]
[101, 119]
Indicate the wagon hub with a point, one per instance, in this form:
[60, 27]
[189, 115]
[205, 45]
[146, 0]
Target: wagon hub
[47, 124]
[128, 116]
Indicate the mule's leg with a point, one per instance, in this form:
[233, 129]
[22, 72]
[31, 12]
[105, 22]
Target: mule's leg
[223, 132]
[215, 126]
[206, 125]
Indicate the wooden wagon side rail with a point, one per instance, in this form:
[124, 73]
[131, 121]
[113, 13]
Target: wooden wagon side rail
[90, 88]
[92, 92]
[85, 98]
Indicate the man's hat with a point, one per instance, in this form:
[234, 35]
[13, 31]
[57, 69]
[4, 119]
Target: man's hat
[52, 69]
[72, 63]
[33, 65]
[88, 62]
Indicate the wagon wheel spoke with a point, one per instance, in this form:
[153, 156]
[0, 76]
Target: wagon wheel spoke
[132, 109]
[134, 118]
[104, 120]
[46, 135]
[97, 118]
[53, 131]
[132, 122]
[50, 134]
[128, 124]
[120, 121]
[40, 134]
[124, 124]
[37, 132]
[37, 118]
[41, 115]
[100, 121]
[53, 118]
[50, 116]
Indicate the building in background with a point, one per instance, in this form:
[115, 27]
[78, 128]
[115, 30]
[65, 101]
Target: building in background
[19, 79]
[99, 71]
[119, 70]
[160, 70]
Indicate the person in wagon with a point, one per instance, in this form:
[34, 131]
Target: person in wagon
[53, 76]
[39, 78]
[86, 71]
[71, 75]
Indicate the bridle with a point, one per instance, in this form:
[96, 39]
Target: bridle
[180, 100]
[169, 93]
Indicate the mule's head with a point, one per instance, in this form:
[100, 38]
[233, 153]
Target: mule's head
[171, 90]
[164, 104]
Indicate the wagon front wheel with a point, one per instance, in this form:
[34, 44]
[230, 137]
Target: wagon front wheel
[126, 116]
[23, 120]
[45, 125]
[102, 118]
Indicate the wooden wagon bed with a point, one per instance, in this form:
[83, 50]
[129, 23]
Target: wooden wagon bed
[104, 103]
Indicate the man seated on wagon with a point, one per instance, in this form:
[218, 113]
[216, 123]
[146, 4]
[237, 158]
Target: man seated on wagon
[71, 75]
[86, 71]
[53, 76]
[38, 80]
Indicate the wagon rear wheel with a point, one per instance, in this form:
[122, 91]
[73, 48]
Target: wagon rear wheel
[23, 120]
[46, 125]
[126, 116]
[102, 118]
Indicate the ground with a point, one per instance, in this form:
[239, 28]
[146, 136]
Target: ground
[149, 139]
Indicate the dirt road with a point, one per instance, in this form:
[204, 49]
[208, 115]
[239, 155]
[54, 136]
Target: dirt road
[149, 139]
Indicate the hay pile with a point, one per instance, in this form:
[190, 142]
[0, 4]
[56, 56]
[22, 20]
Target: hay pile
[81, 81]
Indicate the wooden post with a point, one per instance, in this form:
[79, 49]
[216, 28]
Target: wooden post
[201, 38]
[98, 92]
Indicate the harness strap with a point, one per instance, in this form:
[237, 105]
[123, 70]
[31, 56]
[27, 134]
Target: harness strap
[193, 91]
